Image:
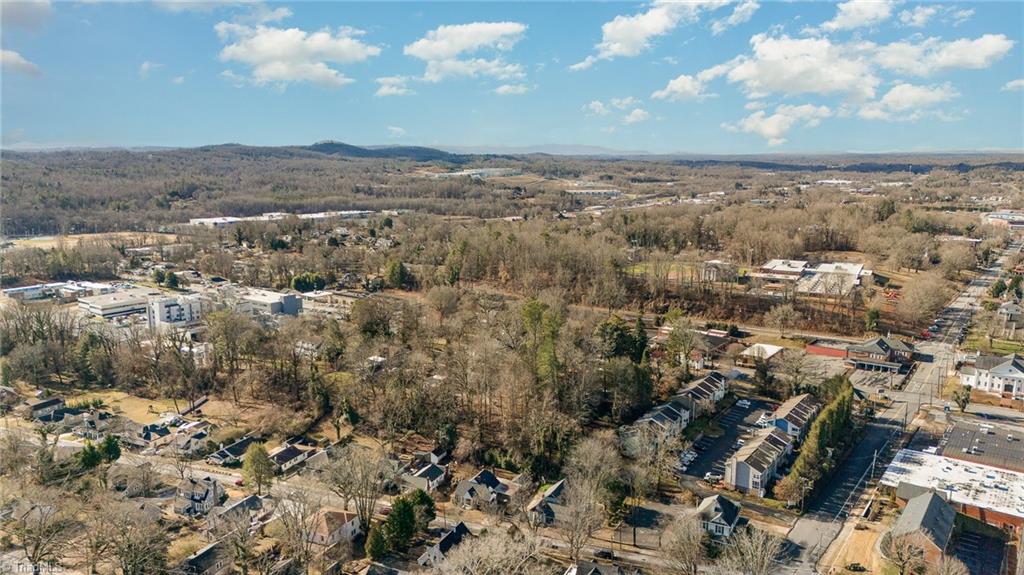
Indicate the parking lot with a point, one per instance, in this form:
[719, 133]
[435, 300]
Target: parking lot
[712, 452]
[982, 555]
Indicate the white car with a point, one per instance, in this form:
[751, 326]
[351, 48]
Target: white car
[712, 477]
[743, 403]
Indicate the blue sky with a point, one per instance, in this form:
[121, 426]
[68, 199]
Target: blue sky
[704, 76]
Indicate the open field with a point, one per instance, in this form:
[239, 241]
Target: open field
[132, 238]
[138, 409]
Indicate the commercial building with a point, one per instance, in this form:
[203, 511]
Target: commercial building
[988, 444]
[880, 354]
[117, 304]
[930, 516]
[997, 375]
[226, 221]
[984, 492]
[272, 302]
[180, 312]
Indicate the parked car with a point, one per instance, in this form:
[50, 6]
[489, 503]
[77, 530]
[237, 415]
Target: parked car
[744, 403]
[604, 554]
[712, 477]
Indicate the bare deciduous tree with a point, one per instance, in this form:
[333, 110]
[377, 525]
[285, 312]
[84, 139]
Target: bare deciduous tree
[753, 552]
[683, 544]
[297, 516]
[581, 517]
[782, 317]
[494, 553]
[905, 552]
[949, 565]
[358, 476]
[138, 544]
[43, 527]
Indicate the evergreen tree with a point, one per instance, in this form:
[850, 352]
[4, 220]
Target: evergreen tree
[110, 449]
[376, 545]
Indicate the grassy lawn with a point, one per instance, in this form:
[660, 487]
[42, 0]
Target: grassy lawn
[138, 409]
[978, 341]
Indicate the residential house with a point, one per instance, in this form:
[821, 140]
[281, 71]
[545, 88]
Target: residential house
[752, 468]
[197, 496]
[880, 354]
[547, 507]
[214, 559]
[796, 414]
[996, 375]
[334, 526]
[591, 568]
[287, 457]
[192, 437]
[232, 454]
[483, 488]
[435, 554]
[244, 511]
[1011, 311]
[43, 407]
[718, 515]
[428, 478]
[95, 425]
[929, 515]
[760, 353]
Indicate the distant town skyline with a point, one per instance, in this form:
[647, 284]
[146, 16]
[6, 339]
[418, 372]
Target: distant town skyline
[707, 76]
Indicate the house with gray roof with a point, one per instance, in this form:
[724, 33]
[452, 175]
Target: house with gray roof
[996, 375]
[718, 515]
[929, 515]
[436, 553]
[591, 568]
[428, 478]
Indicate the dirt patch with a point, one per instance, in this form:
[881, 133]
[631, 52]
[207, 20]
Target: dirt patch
[138, 409]
[129, 238]
[854, 546]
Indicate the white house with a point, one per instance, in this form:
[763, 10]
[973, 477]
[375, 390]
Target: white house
[718, 515]
[998, 375]
[333, 526]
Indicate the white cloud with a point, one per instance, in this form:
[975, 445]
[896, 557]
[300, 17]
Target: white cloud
[800, 66]
[636, 116]
[393, 86]
[623, 103]
[775, 127]
[283, 55]
[15, 62]
[627, 36]
[755, 105]
[443, 49]
[148, 66]
[179, 80]
[859, 13]
[511, 89]
[743, 12]
[681, 88]
[933, 55]
[1014, 85]
[596, 108]
[958, 17]
[907, 102]
[25, 14]
[919, 16]
[395, 132]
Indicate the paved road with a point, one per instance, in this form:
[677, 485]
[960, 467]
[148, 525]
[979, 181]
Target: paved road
[821, 524]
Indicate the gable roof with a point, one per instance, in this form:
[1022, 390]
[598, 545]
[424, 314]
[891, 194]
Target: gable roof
[764, 449]
[798, 410]
[718, 509]
[930, 515]
[591, 568]
[453, 537]
[329, 521]
[1005, 363]
[881, 345]
[486, 477]
[236, 449]
[284, 455]
[430, 472]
